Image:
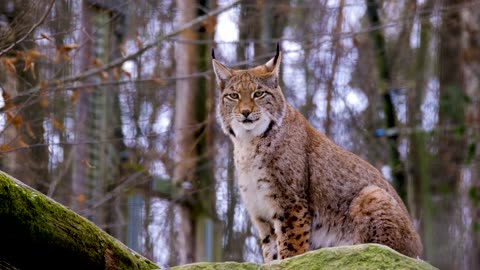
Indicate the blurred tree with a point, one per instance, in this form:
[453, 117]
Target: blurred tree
[198, 239]
[61, 23]
[385, 85]
[25, 115]
[446, 173]
[337, 55]
[470, 177]
[418, 160]
[96, 167]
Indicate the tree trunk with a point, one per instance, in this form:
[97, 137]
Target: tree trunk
[40, 233]
[80, 153]
[96, 166]
[385, 82]
[418, 155]
[337, 51]
[193, 175]
[447, 169]
[470, 181]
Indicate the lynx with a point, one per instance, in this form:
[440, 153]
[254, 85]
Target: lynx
[302, 191]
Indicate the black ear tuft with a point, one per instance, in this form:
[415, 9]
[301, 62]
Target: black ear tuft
[213, 54]
[276, 55]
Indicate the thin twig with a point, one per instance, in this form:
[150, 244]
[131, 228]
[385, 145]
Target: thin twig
[29, 31]
[121, 60]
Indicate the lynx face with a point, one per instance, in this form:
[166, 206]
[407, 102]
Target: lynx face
[251, 101]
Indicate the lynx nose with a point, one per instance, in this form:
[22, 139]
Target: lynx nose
[246, 113]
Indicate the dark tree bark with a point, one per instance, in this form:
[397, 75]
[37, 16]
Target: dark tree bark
[418, 155]
[446, 173]
[385, 79]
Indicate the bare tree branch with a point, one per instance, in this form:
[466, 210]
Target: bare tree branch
[138, 53]
[45, 15]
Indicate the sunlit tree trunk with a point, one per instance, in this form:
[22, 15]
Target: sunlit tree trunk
[198, 232]
[184, 126]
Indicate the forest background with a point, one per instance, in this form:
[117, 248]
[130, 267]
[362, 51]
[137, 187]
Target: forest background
[109, 108]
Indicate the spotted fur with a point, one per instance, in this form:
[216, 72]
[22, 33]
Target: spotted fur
[301, 190]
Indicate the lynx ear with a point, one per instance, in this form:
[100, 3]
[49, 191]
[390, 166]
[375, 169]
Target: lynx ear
[273, 67]
[222, 73]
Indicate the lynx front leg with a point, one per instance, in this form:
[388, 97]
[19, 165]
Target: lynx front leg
[293, 231]
[268, 238]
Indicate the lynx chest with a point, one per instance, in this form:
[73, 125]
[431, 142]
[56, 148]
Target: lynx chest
[253, 182]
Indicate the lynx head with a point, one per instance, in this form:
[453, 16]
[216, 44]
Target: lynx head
[251, 101]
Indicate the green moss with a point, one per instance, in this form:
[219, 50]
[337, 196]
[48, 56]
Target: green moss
[217, 266]
[368, 256]
[36, 227]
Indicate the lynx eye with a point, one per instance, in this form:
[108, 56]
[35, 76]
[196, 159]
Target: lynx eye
[233, 96]
[258, 94]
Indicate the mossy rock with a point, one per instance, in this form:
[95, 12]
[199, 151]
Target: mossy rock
[39, 233]
[367, 256]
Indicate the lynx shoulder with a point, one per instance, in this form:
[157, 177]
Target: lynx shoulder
[301, 190]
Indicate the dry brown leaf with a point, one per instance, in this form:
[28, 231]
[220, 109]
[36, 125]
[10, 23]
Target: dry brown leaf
[115, 74]
[74, 96]
[16, 120]
[128, 74]
[104, 75]
[5, 148]
[156, 80]
[30, 131]
[97, 62]
[31, 67]
[189, 34]
[29, 57]
[8, 104]
[123, 50]
[62, 52]
[56, 58]
[87, 164]
[43, 98]
[138, 42]
[46, 37]
[57, 125]
[22, 143]
[34, 54]
[69, 47]
[209, 24]
[9, 64]
[81, 198]
[44, 102]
